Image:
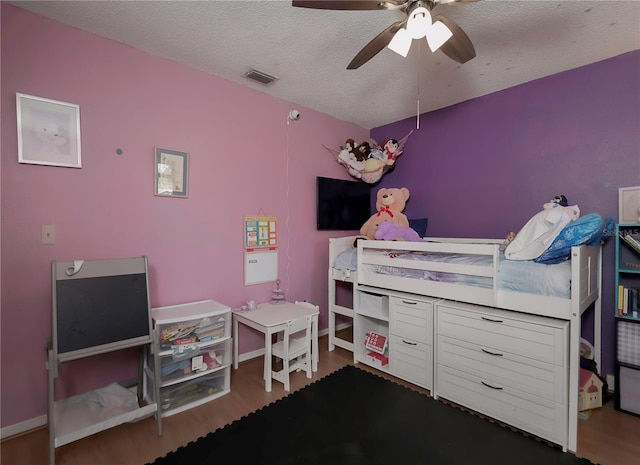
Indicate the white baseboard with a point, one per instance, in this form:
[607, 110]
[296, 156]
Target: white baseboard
[28, 425]
[338, 328]
[23, 427]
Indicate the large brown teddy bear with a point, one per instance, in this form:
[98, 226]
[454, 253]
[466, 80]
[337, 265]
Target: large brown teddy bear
[389, 202]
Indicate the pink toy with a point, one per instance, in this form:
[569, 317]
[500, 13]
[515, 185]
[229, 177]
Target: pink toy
[388, 231]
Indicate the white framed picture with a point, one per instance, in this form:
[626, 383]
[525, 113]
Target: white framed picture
[48, 132]
[629, 204]
[171, 173]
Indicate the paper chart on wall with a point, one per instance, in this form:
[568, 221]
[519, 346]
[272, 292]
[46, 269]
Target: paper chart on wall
[260, 231]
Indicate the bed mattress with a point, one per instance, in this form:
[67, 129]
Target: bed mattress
[524, 276]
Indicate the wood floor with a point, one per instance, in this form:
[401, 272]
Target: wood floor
[608, 437]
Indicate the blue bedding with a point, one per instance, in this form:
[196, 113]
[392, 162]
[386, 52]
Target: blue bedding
[589, 229]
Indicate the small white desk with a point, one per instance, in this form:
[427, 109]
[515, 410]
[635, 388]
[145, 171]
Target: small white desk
[271, 319]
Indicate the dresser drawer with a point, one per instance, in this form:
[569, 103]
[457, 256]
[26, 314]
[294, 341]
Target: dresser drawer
[412, 361]
[524, 374]
[412, 319]
[194, 390]
[174, 334]
[538, 416]
[538, 338]
[205, 357]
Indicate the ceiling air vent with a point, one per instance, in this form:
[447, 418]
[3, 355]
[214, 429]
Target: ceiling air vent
[259, 76]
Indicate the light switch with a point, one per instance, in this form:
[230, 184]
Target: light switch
[48, 234]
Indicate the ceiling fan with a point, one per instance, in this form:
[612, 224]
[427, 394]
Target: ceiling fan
[440, 31]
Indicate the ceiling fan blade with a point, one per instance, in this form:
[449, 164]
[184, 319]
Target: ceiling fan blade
[446, 2]
[459, 46]
[346, 4]
[376, 45]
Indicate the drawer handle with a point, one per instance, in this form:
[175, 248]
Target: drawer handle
[492, 387]
[491, 319]
[410, 343]
[497, 354]
[409, 303]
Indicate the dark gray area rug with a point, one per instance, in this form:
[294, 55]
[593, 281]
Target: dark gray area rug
[354, 417]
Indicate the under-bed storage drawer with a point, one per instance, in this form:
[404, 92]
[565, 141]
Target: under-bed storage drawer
[412, 361]
[412, 319]
[411, 342]
[546, 419]
[504, 369]
[508, 365]
[530, 336]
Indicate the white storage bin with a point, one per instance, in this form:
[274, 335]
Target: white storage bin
[629, 386]
[374, 304]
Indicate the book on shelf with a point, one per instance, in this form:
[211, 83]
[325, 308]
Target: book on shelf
[633, 302]
[628, 301]
[620, 300]
[625, 302]
[632, 241]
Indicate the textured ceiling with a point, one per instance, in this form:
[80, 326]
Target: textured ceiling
[516, 41]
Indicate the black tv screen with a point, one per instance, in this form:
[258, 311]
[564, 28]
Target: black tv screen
[342, 205]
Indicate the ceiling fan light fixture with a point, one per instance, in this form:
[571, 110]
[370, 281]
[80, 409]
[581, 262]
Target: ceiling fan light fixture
[401, 42]
[437, 34]
[419, 22]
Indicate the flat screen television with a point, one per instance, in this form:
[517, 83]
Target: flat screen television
[342, 205]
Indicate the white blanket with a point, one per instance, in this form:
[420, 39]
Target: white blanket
[538, 234]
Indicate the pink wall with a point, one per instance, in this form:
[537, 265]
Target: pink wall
[241, 149]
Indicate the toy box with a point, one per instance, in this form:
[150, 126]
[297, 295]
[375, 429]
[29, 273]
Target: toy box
[377, 360]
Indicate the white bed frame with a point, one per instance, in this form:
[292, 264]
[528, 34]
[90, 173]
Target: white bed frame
[585, 291]
[337, 245]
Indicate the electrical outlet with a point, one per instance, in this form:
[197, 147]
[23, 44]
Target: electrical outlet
[611, 382]
[48, 235]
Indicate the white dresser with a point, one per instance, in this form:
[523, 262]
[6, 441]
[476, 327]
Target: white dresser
[411, 339]
[507, 365]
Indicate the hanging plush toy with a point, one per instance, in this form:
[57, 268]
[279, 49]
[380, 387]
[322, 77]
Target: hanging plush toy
[373, 170]
[392, 150]
[368, 161]
[349, 160]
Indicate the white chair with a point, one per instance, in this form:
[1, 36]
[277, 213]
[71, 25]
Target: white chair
[295, 352]
[302, 303]
[314, 348]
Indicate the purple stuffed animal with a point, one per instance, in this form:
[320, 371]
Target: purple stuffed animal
[388, 231]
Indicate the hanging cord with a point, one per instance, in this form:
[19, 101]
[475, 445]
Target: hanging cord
[418, 99]
[286, 222]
